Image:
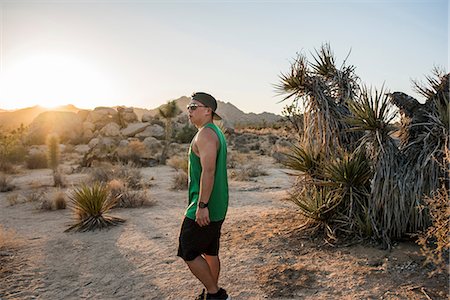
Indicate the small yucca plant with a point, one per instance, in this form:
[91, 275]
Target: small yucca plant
[304, 159]
[90, 205]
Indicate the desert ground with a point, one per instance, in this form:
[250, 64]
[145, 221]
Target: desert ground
[264, 253]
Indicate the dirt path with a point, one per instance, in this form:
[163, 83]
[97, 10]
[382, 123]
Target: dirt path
[263, 257]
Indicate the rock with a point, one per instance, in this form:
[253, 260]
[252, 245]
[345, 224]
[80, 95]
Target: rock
[126, 115]
[67, 125]
[111, 129]
[147, 117]
[152, 130]
[82, 149]
[134, 128]
[152, 144]
[178, 149]
[123, 143]
[101, 116]
[94, 142]
[88, 126]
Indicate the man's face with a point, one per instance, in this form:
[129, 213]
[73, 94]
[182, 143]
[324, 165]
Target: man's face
[196, 111]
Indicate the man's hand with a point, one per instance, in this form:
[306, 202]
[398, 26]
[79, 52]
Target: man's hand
[202, 216]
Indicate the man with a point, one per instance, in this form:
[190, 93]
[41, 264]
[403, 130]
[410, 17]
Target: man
[208, 197]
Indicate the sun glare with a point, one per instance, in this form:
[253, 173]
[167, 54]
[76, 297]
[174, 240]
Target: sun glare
[50, 81]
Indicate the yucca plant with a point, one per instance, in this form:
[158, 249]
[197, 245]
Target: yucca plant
[372, 114]
[90, 205]
[349, 176]
[321, 89]
[304, 159]
[318, 204]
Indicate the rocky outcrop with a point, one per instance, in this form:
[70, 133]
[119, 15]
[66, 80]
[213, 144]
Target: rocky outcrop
[133, 129]
[69, 129]
[111, 129]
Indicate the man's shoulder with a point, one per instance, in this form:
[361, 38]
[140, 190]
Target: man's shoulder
[207, 133]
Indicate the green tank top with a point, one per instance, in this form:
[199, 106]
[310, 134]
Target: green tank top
[218, 201]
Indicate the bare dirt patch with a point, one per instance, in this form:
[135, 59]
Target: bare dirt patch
[264, 254]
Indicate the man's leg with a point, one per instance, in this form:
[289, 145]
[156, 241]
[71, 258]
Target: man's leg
[201, 269]
[214, 266]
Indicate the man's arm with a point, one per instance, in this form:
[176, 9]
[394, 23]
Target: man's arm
[207, 144]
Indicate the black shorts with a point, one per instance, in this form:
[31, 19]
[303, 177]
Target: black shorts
[195, 240]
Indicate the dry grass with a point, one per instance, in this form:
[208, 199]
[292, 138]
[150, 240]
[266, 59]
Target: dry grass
[8, 239]
[54, 201]
[128, 198]
[178, 163]
[132, 153]
[37, 160]
[435, 241]
[180, 181]
[8, 167]
[129, 174]
[247, 172]
[5, 183]
[59, 200]
[13, 199]
[236, 159]
[34, 196]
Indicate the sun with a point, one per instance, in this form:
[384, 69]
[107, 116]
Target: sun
[51, 80]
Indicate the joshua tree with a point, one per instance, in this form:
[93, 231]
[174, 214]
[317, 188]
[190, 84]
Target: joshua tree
[53, 155]
[361, 180]
[168, 111]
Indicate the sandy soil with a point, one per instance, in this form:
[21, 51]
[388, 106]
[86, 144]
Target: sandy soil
[264, 255]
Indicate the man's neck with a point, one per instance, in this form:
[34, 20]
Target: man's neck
[201, 125]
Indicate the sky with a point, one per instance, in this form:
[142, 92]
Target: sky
[145, 53]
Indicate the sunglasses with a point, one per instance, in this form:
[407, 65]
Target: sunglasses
[194, 106]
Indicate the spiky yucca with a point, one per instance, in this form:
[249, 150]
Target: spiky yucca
[321, 90]
[340, 118]
[91, 205]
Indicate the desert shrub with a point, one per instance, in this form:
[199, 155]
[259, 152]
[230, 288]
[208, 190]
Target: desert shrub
[69, 148]
[132, 198]
[131, 175]
[116, 187]
[236, 159]
[8, 238]
[128, 198]
[34, 196]
[12, 147]
[102, 173]
[178, 163]
[8, 167]
[13, 199]
[185, 134]
[55, 200]
[90, 205]
[37, 160]
[132, 153]
[180, 180]
[435, 242]
[47, 204]
[5, 183]
[59, 199]
[247, 172]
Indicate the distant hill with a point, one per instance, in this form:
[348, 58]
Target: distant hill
[12, 119]
[231, 114]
